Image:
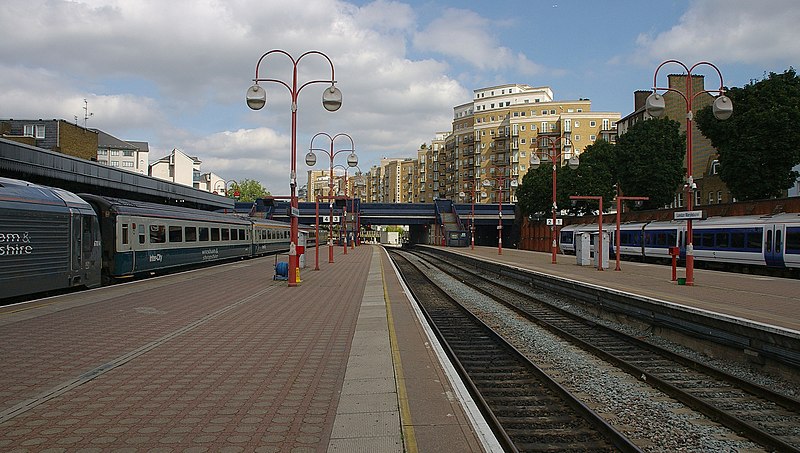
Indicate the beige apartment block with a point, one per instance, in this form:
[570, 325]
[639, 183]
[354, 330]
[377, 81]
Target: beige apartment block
[495, 136]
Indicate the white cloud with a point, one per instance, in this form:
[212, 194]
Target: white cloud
[466, 35]
[729, 31]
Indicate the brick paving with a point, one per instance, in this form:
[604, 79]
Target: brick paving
[221, 359]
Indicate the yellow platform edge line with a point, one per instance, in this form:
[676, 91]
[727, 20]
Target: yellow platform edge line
[409, 439]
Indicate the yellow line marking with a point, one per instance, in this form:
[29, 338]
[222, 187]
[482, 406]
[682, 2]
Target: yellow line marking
[409, 438]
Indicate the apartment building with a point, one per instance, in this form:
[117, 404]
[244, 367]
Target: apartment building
[55, 135]
[710, 188]
[495, 136]
[128, 155]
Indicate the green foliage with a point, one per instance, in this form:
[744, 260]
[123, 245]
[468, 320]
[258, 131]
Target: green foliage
[595, 176]
[249, 190]
[758, 145]
[650, 161]
[534, 195]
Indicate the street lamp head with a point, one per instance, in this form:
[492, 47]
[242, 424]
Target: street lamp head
[535, 162]
[352, 159]
[462, 194]
[256, 97]
[311, 159]
[574, 162]
[514, 183]
[723, 107]
[332, 98]
[487, 183]
[655, 105]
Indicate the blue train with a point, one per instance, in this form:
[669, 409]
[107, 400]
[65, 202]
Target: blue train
[744, 243]
[52, 239]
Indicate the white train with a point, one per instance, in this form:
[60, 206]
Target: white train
[747, 242]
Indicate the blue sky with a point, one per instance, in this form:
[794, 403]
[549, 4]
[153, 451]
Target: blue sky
[175, 73]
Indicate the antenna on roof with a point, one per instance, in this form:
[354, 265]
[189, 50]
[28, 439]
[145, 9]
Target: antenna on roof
[86, 113]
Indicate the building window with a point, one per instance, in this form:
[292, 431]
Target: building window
[552, 111]
[115, 163]
[592, 123]
[28, 130]
[577, 137]
[592, 138]
[719, 196]
[115, 152]
[127, 164]
[714, 167]
[711, 198]
[102, 152]
[522, 141]
[697, 198]
[39, 131]
[577, 123]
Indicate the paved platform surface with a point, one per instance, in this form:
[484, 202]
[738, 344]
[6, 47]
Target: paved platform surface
[767, 300]
[226, 359]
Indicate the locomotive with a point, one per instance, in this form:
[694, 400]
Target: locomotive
[52, 239]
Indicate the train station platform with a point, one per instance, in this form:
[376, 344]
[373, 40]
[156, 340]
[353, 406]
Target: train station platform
[769, 301]
[226, 359]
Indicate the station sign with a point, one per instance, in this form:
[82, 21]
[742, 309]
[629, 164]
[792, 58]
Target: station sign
[688, 215]
[295, 212]
[327, 219]
[559, 222]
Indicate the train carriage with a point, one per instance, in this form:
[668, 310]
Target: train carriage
[141, 237]
[49, 240]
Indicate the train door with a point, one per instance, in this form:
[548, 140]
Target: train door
[76, 242]
[773, 245]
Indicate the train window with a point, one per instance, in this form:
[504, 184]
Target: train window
[778, 243]
[226, 234]
[793, 240]
[158, 234]
[737, 240]
[234, 234]
[708, 240]
[125, 233]
[754, 240]
[204, 234]
[191, 234]
[175, 234]
[722, 240]
[768, 248]
[242, 236]
[215, 234]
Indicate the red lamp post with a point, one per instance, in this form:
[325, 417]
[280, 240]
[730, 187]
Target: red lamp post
[500, 180]
[620, 198]
[343, 194]
[331, 100]
[722, 108]
[553, 153]
[472, 215]
[599, 224]
[311, 159]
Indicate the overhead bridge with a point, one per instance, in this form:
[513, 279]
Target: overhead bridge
[441, 221]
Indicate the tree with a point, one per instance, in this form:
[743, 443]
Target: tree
[758, 145]
[595, 176]
[249, 190]
[534, 195]
[650, 161]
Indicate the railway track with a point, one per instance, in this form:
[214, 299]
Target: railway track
[528, 411]
[757, 413]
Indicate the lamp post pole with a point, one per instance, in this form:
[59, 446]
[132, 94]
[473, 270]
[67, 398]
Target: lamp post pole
[343, 194]
[316, 225]
[331, 100]
[620, 198]
[472, 216]
[311, 159]
[722, 108]
[500, 180]
[553, 153]
[599, 225]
